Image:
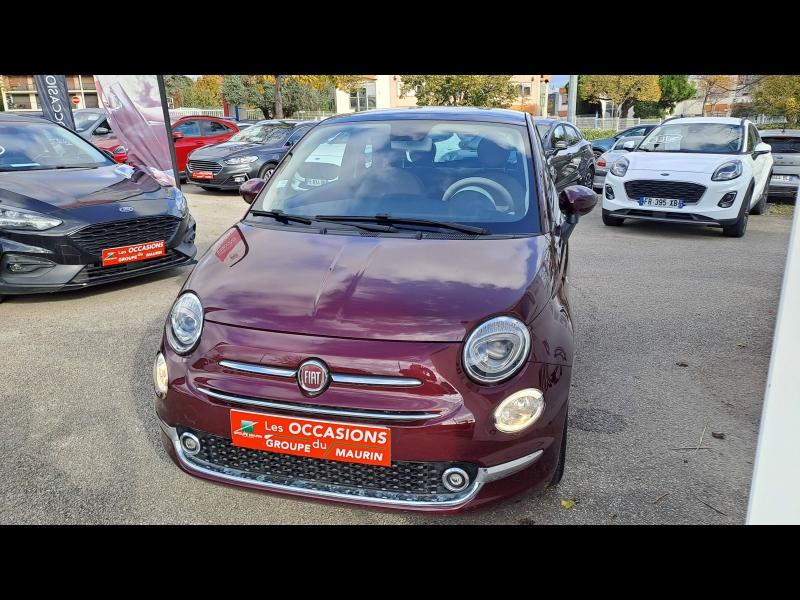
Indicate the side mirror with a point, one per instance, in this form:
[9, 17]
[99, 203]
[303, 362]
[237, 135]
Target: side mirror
[761, 148]
[102, 131]
[629, 146]
[575, 201]
[289, 143]
[251, 188]
[177, 135]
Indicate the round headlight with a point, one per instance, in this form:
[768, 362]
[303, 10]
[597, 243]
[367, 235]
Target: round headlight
[620, 167]
[520, 410]
[496, 349]
[160, 375]
[185, 323]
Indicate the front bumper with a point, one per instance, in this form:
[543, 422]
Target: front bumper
[230, 177]
[704, 211]
[460, 430]
[75, 268]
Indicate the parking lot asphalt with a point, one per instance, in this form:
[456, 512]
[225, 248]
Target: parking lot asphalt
[81, 444]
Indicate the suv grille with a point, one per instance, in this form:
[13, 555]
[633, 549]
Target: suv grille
[414, 478]
[679, 190]
[204, 165]
[94, 238]
[97, 273]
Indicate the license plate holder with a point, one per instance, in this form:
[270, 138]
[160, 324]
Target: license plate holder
[203, 175]
[134, 253]
[661, 202]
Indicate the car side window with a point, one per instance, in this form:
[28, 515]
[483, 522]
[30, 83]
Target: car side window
[573, 135]
[755, 139]
[637, 131]
[107, 125]
[559, 135]
[188, 128]
[297, 134]
[215, 128]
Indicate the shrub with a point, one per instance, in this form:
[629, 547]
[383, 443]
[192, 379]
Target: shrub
[597, 134]
[776, 126]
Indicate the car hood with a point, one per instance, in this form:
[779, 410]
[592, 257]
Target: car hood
[69, 190]
[686, 162]
[228, 149]
[368, 287]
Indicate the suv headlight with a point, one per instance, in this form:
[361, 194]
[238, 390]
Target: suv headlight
[496, 349]
[179, 199]
[185, 323]
[620, 167]
[729, 170]
[18, 218]
[240, 160]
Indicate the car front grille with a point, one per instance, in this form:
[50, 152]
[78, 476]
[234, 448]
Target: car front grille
[678, 190]
[96, 273]
[95, 238]
[204, 165]
[401, 480]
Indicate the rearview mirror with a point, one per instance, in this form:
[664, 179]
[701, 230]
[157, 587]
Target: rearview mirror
[102, 131]
[251, 188]
[177, 135]
[761, 148]
[575, 201]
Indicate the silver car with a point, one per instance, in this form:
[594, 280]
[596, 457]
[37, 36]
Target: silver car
[785, 144]
[605, 160]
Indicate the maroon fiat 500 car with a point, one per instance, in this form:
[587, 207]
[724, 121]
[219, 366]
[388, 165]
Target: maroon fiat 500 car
[388, 324]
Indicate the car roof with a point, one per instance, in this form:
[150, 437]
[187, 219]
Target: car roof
[720, 120]
[281, 121]
[34, 118]
[89, 110]
[445, 113]
[779, 132]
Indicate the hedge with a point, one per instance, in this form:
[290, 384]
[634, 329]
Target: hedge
[776, 126]
[597, 134]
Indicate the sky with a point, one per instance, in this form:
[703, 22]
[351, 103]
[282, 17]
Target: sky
[557, 81]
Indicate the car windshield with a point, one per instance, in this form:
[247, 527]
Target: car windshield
[262, 134]
[465, 172]
[85, 120]
[37, 146]
[708, 138]
[542, 128]
[618, 145]
[783, 144]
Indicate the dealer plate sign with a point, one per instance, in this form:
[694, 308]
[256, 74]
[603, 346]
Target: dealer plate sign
[136, 252]
[345, 442]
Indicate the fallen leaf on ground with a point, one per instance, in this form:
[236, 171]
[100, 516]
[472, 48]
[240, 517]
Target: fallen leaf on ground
[682, 363]
[718, 434]
[742, 345]
[728, 403]
[567, 504]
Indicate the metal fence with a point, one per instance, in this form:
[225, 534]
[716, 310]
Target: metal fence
[615, 123]
[250, 114]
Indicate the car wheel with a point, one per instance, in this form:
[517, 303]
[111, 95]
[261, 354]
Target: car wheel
[266, 171]
[588, 179]
[562, 457]
[740, 226]
[761, 206]
[611, 221]
[597, 153]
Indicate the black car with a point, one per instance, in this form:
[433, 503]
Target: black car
[569, 154]
[605, 144]
[253, 152]
[71, 217]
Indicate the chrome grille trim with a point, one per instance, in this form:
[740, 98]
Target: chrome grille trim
[321, 410]
[335, 377]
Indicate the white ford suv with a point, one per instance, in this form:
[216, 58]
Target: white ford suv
[698, 170]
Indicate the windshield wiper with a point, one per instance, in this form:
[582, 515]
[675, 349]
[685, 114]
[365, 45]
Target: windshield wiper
[383, 218]
[279, 215]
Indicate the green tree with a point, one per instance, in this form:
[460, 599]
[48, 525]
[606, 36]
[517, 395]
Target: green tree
[674, 89]
[297, 92]
[461, 90]
[779, 95]
[205, 92]
[622, 90]
[177, 86]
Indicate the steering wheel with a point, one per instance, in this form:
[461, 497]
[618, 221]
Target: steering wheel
[476, 184]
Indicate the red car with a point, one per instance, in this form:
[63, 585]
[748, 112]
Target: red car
[191, 133]
[117, 150]
[388, 325]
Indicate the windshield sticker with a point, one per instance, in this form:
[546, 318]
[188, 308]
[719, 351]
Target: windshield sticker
[125, 170]
[282, 183]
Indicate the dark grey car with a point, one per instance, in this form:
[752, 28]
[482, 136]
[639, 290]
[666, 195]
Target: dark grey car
[569, 155]
[785, 179]
[92, 124]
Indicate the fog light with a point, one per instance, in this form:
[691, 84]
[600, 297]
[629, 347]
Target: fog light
[519, 411]
[160, 375]
[190, 443]
[609, 192]
[727, 200]
[455, 479]
[22, 263]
